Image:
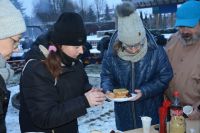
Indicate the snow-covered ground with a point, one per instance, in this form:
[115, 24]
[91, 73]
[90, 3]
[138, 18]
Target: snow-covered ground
[98, 118]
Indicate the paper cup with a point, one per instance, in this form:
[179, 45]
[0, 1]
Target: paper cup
[187, 109]
[146, 124]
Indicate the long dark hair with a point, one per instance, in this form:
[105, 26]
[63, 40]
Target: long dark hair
[53, 62]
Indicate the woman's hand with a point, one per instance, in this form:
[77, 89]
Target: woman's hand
[138, 93]
[95, 97]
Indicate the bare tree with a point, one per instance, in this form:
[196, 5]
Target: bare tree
[49, 11]
[100, 6]
[83, 8]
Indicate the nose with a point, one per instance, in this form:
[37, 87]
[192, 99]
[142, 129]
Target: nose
[81, 50]
[183, 29]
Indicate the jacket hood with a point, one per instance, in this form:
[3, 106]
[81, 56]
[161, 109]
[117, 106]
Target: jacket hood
[35, 52]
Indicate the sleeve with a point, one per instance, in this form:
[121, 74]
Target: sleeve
[162, 78]
[88, 86]
[106, 74]
[43, 102]
[99, 45]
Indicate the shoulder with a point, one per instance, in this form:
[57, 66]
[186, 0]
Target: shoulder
[36, 68]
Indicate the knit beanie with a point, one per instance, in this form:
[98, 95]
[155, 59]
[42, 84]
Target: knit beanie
[11, 20]
[131, 31]
[69, 29]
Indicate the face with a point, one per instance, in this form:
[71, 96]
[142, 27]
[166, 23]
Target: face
[72, 51]
[9, 45]
[190, 35]
[132, 49]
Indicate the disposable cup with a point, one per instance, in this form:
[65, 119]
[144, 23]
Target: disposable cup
[187, 109]
[146, 124]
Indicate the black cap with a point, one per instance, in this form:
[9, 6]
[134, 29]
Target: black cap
[69, 29]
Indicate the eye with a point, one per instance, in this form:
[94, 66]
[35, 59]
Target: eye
[77, 47]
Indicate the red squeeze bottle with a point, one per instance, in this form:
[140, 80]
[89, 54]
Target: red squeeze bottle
[162, 117]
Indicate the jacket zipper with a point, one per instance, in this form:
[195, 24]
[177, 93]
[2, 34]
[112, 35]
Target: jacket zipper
[133, 88]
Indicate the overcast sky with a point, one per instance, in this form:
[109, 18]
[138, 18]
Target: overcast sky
[28, 5]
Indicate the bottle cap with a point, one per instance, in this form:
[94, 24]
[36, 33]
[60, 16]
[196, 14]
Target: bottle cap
[176, 93]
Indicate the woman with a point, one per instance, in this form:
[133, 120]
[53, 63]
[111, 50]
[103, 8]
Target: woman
[54, 88]
[135, 62]
[12, 25]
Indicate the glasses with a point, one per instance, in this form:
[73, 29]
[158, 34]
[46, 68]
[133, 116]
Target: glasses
[15, 42]
[135, 46]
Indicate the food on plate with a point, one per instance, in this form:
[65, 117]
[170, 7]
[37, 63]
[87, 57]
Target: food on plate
[120, 93]
[111, 95]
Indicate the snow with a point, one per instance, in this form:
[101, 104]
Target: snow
[167, 36]
[12, 114]
[93, 38]
[94, 51]
[98, 117]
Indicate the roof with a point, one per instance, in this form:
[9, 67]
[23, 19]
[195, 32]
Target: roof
[155, 3]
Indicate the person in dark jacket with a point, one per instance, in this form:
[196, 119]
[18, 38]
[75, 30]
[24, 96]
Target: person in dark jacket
[160, 39]
[54, 87]
[102, 45]
[12, 25]
[86, 56]
[134, 61]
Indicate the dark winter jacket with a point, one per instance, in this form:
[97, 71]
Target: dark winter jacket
[152, 75]
[48, 104]
[102, 45]
[4, 100]
[5, 75]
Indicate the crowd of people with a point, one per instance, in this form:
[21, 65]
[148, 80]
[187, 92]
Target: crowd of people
[51, 100]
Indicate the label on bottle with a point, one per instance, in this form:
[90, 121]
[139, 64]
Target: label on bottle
[176, 112]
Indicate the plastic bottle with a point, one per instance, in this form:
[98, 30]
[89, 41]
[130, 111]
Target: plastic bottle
[177, 122]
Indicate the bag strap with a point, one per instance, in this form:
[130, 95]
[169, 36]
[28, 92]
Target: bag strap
[55, 81]
[26, 64]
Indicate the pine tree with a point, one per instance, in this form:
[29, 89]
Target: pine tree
[91, 17]
[107, 13]
[19, 6]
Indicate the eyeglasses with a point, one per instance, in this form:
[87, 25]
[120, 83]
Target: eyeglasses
[15, 42]
[135, 46]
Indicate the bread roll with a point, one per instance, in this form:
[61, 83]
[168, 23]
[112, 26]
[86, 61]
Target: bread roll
[120, 93]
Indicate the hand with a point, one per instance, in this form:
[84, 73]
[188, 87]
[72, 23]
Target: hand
[97, 89]
[95, 97]
[195, 115]
[139, 94]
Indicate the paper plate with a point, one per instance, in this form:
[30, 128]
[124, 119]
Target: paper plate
[123, 99]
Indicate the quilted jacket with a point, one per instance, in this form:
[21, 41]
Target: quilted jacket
[152, 75]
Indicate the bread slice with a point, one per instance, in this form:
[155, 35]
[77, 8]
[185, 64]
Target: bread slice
[120, 93]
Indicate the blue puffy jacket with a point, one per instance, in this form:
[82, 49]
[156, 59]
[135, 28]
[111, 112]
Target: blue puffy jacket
[152, 75]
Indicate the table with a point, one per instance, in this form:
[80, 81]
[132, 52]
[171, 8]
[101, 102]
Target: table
[195, 124]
